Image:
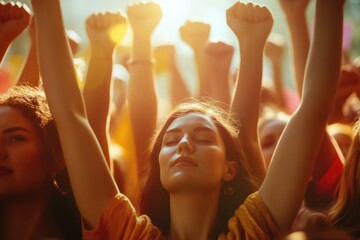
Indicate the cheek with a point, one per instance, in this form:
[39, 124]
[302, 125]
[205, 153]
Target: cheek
[31, 165]
[164, 156]
[215, 159]
[164, 161]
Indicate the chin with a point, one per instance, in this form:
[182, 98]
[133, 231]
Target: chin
[180, 184]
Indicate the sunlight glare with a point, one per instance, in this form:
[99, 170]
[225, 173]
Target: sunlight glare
[117, 33]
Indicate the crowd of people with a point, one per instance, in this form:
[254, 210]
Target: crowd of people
[86, 154]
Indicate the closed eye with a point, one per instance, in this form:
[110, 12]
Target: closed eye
[171, 139]
[170, 143]
[203, 141]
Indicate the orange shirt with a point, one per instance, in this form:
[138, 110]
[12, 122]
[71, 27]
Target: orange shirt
[251, 220]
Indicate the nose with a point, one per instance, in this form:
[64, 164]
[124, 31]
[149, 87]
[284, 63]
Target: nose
[185, 145]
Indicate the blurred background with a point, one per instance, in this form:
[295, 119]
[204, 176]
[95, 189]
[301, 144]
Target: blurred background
[175, 13]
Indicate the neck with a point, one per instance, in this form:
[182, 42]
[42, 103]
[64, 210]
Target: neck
[193, 215]
[28, 218]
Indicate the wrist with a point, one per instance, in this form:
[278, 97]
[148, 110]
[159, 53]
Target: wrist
[102, 49]
[294, 16]
[251, 47]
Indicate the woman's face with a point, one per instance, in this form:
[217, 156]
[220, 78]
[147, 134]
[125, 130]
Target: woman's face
[192, 156]
[269, 135]
[23, 169]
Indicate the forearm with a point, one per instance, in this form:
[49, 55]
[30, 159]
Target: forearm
[279, 84]
[56, 60]
[204, 87]
[304, 133]
[322, 75]
[82, 153]
[219, 81]
[96, 94]
[248, 88]
[300, 42]
[30, 74]
[142, 98]
[179, 90]
[246, 103]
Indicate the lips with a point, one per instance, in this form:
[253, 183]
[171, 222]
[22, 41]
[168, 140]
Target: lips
[183, 161]
[5, 171]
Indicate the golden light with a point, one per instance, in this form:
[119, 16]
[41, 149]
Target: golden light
[174, 15]
[117, 33]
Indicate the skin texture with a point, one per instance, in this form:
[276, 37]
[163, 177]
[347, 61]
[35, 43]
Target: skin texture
[99, 72]
[85, 160]
[192, 148]
[20, 151]
[252, 25]
[142, 97]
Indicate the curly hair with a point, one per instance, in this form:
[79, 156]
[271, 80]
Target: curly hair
[32, 104]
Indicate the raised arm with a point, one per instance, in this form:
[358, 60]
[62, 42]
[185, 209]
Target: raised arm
[295, 13]
[90, 178]
[29, 74]
[329, 155]
[196, 35]
[166, 61]
[142, 99]
[101, 29]
[252, 25]
[217, 60]
[14, 18]
[289, 172]
[274, 50]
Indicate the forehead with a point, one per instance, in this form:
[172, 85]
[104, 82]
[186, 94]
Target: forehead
[11, 117]
[193, 120]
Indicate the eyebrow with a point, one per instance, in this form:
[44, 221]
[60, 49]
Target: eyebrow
[197, 129]
[15, 129]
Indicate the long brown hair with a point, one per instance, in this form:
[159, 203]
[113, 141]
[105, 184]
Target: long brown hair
[346, 212]
[155, 200]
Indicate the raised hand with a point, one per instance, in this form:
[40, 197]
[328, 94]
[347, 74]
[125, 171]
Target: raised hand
[250, 23]
[142, 97]
[195, 34]
[106, 30]
[82, 153]
[14, 18]
[144, 17]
